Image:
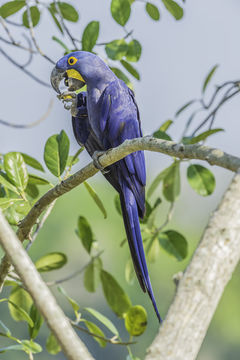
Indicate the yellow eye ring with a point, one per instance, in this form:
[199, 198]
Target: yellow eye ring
[72, 60]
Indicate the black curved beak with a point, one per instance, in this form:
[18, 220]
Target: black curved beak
[57, 75]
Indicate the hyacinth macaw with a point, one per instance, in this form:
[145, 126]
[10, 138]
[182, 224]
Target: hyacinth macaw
[103, 118]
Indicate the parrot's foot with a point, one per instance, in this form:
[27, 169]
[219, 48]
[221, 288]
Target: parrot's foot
[69, 99]
[96, 155]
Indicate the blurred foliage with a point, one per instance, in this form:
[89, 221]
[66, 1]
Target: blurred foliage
[20, 189]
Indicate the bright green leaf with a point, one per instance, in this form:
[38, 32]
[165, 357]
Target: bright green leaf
[159, 178]
[130, 69]
[35, 16]
[136, 320]
[51, 10]
[204, 135]
[173, 8]
[171, 182]
[56, 153]
[37, 321]
[11, 8]
[116, 298]
[30, 161]
[103, 319]
[51, 261]
[32, 191]
[6, 203]
[84, 232]
[20, 314]
[201, 179]
[90, 36]
[52, 345]
[209, 77]
[134, 51]
[19, 304]
[153, 251]
[96, 198]
[71, 301]
[5, 183]
[68, 12]
[16, 170]
[121, 10]
[93, 328]
[152, 11]
[30, 346]
[92, 275]
[60, 42]
[37, 180]
[116, 49]
[159, 134]
[174, 244]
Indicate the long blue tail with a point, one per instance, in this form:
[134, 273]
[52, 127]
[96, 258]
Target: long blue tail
[132, 226]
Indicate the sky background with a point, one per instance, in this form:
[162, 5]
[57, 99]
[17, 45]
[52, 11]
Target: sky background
[175, 59]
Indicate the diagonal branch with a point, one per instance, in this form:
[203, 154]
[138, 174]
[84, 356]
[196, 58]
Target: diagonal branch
[203, 283]
[211, 155]
[70, 343]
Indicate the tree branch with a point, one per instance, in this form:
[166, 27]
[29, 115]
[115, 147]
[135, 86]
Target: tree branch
[211, 155]
[203, 283]
[70, 343]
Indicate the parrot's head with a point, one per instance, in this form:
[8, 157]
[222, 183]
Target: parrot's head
[79, 68]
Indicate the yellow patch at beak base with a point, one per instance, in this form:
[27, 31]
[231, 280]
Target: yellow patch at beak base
[72, 73]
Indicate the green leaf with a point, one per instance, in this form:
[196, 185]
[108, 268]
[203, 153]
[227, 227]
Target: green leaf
[209, 77]
[30, 161]
[153, 251]
[6, 329]
[103, 319]
[51, 261]
[152, 11]
[164, 127]
[68, 12]
[5, 183]
[173, 8]
[204, 135]
[11, 8]
[201, 179]
[171, 182]
[159, 134]
[174, 244]
[71, 301]
[19, 304]
[84, 232]
[30, 346]
[32, 191]
[136, 320]
[37, 322]
[52, 345]
[134, 51]
[37, 180]
[56, 153]
[22, 207]
[90, 36]
[116, 298]
[92, 274]
[51, 10]
[122, 76]
[16, 170]
[159, 178]
[130, 69]
[96, 198]
[60, 42]
[117, 204]
[93, 328]
[6, 203]
[11, 347]
[35, 16]
[71, 161]
[121, 10]
[184, 107]
[116, 49]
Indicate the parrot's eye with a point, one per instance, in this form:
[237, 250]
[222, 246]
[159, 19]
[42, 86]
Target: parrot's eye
[72, 60]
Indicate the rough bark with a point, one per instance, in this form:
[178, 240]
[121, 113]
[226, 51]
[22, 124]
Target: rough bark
[71, 345]
[203, 283]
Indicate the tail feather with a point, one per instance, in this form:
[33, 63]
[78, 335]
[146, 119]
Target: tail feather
[132, 226]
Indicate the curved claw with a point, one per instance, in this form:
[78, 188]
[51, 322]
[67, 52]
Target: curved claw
[96, 155]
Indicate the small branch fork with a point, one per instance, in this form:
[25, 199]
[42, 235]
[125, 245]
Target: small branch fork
[205, 153]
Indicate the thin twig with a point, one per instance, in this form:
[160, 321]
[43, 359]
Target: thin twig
[76, 273]
[21, 67]
[111, 341]
[33, 35]
[168, 218]
[2, 21]
[32, 124]
[64, 25]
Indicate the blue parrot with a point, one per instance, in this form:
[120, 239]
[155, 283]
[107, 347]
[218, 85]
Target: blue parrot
[103, 118]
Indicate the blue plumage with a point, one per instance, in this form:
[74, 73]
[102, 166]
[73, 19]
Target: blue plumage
[107, 116]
